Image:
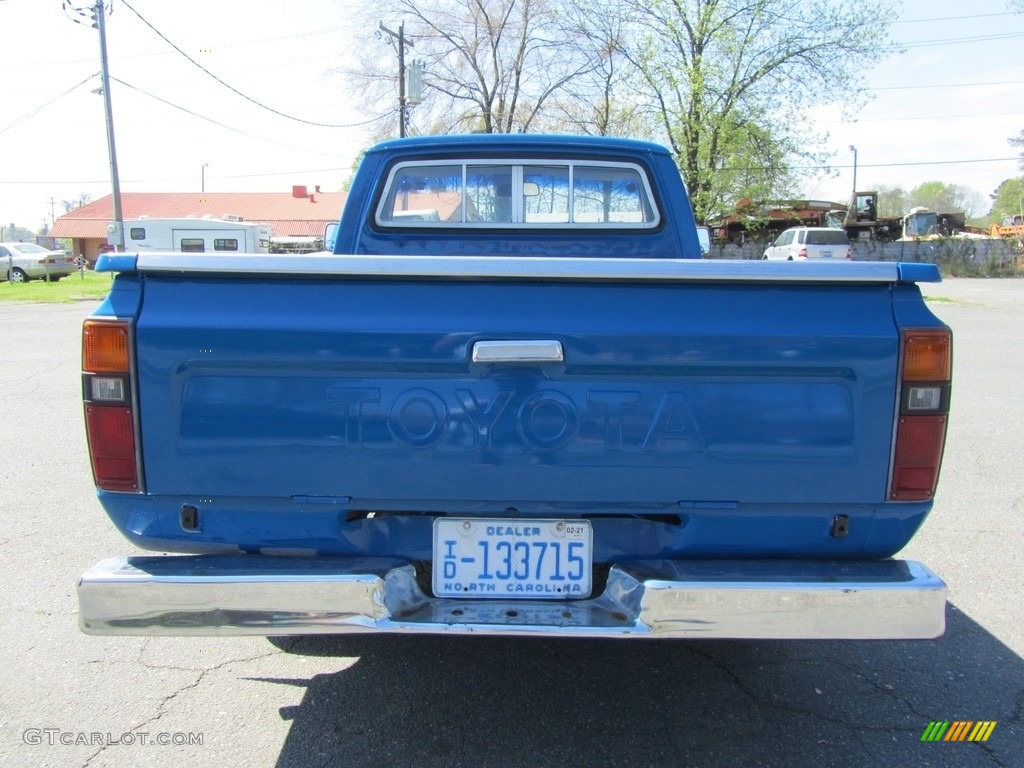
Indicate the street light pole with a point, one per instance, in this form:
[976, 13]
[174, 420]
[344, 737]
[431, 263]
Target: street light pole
[202, 178]
[854, 150]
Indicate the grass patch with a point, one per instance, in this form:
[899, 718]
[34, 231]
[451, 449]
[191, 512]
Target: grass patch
[84, 286]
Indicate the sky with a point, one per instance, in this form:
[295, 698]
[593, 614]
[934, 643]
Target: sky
[941, 110]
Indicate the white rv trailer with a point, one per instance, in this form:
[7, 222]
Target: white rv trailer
[191, 234]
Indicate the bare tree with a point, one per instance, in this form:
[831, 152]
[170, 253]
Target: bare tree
[602, 99]
[489, 65]
[1018, 141]
[83, 198]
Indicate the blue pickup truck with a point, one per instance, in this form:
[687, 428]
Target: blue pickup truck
[513, 398]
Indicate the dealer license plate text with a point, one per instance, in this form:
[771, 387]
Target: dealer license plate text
[512, 559]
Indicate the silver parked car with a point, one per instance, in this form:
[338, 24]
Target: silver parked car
[810, 244]
[21, 262]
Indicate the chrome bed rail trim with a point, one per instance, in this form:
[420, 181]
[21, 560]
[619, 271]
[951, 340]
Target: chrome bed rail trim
[531, 268]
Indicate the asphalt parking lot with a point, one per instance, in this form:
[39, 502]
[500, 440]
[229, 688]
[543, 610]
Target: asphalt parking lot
[71, 700]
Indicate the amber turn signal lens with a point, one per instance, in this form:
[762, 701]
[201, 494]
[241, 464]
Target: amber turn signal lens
[105, 347]
[927, 356]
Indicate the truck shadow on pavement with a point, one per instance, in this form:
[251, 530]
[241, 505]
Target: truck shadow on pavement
[484, 701]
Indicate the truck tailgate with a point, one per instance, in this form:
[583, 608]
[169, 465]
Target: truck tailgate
[366, 390]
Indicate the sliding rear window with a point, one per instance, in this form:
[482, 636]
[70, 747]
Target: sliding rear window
[516, 194]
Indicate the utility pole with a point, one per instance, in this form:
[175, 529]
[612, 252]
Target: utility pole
[95, 16]
[115, 184]
[403, 107]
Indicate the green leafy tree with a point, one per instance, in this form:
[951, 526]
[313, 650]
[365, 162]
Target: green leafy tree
[1008, 199]
[893, 201]
[732, 82]
[949, 198]
[346, 185]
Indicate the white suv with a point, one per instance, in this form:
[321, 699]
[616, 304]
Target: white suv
[810, 244]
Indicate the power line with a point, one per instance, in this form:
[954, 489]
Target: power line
[180, 178]
[123, 57]
[941, 85]
[963, 40]
[226, 85]
[40, 108]
[239, 130]
[954, 18]
[934, 162]
[923, 163]
[836, 166]
[971, 116]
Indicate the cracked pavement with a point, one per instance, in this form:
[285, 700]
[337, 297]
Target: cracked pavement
[71, 700]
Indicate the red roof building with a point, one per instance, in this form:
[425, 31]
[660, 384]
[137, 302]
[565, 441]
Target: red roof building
[302, 213]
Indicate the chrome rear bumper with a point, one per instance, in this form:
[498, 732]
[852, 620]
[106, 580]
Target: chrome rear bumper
[208, 595]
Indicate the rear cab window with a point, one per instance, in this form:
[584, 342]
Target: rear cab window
[517, 194]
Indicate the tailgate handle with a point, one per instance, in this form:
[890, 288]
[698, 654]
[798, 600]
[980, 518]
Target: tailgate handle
[518, 351]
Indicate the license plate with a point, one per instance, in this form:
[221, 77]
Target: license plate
[512, 559]
[826, 254]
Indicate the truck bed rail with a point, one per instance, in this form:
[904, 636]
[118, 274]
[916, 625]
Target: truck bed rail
[520, 268]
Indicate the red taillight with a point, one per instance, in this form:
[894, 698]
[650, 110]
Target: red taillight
[109, 408]
[802, 254]
[925, 376]
[111, 434]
